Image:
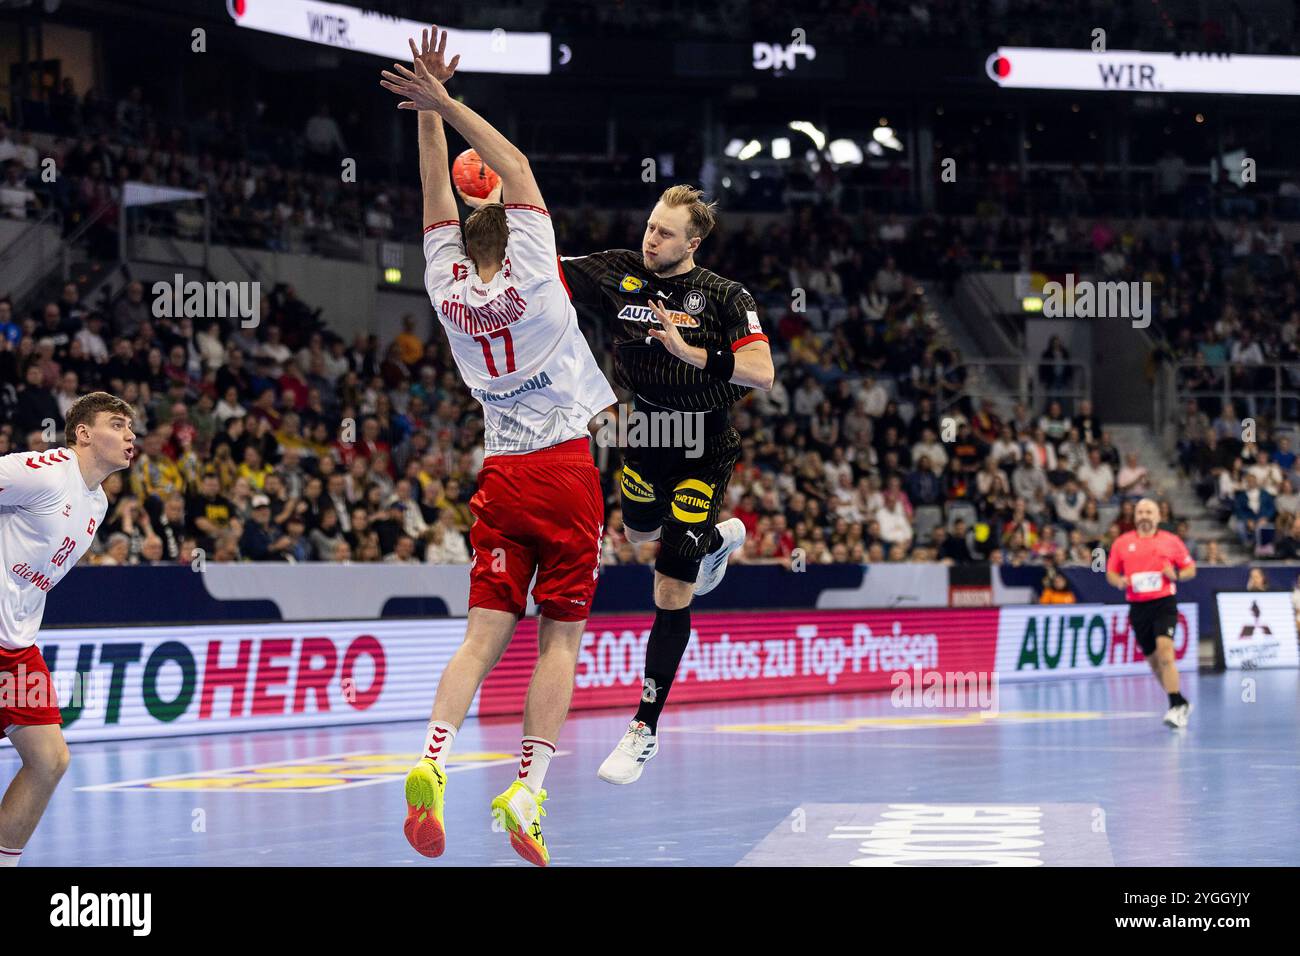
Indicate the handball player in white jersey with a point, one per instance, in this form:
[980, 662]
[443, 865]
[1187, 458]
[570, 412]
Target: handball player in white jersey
[50, 507]
[497, 291]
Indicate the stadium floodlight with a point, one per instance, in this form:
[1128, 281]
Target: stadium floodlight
[885, 136]
[781, 147]
[365, 31]
[734, 147]
[811, 131]
[752, 149]
[845, 152]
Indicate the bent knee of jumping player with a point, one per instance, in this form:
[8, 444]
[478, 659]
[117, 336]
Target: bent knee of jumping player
[640, 537]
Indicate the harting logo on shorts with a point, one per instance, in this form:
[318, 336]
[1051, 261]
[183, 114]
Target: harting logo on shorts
[77, 909]
[692, 499]
[636, 488]
[630, 427]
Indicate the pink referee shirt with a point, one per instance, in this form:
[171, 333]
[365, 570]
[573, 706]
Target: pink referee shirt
[1143, 560]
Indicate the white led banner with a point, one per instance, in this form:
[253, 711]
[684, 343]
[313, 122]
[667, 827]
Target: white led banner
[364, 31]
[1133, 71]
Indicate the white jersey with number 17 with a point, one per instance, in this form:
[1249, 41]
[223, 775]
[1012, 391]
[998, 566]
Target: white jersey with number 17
[516, 339]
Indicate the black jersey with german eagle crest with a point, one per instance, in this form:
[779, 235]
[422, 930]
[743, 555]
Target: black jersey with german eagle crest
[614, 289]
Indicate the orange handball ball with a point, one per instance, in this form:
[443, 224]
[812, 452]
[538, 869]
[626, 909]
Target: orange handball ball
[472, 176]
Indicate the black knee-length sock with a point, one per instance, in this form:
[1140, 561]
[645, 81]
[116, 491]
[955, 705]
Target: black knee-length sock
[663, 652]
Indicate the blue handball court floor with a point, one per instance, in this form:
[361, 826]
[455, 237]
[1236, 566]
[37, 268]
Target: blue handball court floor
[1068, 772]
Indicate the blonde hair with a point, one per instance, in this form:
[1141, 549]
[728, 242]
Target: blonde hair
[703, 215]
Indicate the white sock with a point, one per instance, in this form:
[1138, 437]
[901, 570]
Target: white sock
[9, 857]
[438, 741]
[535, 757]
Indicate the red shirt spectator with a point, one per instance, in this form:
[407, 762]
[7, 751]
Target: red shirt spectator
[746, 513]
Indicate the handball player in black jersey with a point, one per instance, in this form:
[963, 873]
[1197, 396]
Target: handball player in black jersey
[686, 340]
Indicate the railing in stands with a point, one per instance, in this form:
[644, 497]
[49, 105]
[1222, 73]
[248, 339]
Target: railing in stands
[1025, 387]
[1278, 398]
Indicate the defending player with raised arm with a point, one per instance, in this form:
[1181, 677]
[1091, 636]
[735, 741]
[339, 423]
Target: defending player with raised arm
[498, 295]
[686, 340]
[51, 505]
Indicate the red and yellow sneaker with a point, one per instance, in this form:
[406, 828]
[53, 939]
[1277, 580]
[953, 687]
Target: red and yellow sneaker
[521, 812]
[426, 787]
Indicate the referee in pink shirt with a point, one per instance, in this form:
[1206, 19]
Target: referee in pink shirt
[1148, 563]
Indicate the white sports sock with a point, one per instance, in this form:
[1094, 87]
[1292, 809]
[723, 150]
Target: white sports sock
[535, 757]
[9, 857]
[438, 741]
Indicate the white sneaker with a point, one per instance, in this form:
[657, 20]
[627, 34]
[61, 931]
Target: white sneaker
[714, 565]
[629, 758]
[1177, 717]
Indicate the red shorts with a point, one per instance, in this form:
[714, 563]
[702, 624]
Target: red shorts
[26, 690]
[541, 512]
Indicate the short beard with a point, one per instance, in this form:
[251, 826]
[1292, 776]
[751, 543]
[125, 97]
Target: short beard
[663, 271]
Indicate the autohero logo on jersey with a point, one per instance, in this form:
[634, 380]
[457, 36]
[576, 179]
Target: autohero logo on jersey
[77, 909]
[643, 313]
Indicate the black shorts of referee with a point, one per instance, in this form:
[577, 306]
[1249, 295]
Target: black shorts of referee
[1153, 619]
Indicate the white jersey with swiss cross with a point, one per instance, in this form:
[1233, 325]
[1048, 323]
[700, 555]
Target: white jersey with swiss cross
[516, 339]
[48, 519]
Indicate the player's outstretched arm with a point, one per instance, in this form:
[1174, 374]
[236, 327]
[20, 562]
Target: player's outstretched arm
[435, 177]
[426, 94]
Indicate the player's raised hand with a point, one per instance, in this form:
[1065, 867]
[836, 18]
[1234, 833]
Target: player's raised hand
[473, 202]
[421, 90]
[667, 334]
[431, 54]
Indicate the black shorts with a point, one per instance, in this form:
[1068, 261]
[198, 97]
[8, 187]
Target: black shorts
[663, 488]
[1153, 619]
